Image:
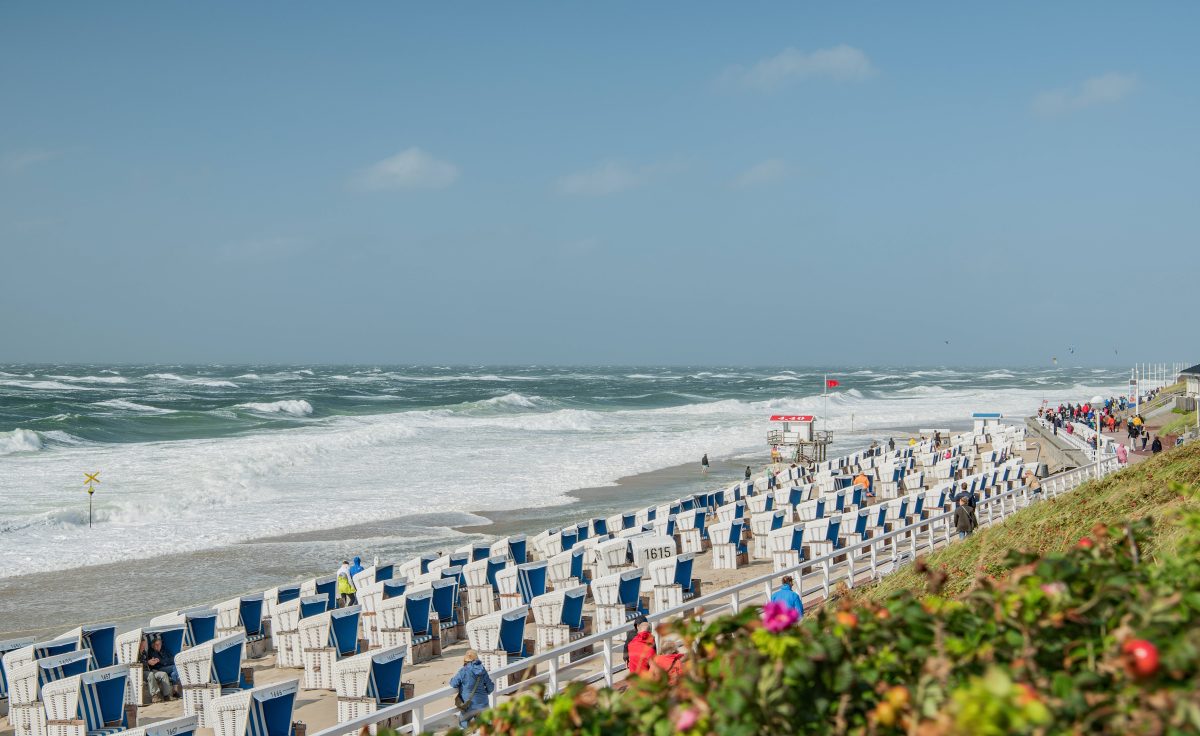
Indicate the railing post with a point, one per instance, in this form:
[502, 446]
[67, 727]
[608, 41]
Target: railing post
[608, 663]
[735, 602]
[418, 719]
[874, 561]
[825, 577]
[552, 683]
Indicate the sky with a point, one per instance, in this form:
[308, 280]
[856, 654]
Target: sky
[666, 183]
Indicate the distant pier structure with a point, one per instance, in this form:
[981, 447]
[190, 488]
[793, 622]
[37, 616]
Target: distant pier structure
[796, 435]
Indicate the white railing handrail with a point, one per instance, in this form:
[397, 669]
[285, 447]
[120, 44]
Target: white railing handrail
[1051, 487]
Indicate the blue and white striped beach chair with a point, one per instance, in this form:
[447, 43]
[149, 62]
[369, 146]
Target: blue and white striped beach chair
[262, 711]
[100, 640]
[87, 704]
[6, 646]
[366, 682]
[531, 579]
[182, 726]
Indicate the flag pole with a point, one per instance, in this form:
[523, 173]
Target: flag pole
[825, 415]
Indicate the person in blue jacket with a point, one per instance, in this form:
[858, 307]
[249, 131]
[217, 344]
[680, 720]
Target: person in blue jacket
[787, 596]
[474, 685]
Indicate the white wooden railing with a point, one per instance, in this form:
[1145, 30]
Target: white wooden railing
[878, 555]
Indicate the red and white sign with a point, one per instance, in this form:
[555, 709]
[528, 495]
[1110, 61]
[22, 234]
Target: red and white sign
[790, 418]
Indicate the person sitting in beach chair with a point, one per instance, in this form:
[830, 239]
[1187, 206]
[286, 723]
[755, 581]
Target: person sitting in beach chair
[862, 481]
[158, 664]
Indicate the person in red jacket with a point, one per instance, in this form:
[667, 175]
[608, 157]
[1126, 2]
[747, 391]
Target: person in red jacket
[671, 661]
[641, 649]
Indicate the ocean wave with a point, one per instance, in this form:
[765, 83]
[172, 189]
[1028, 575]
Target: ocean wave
[782, 377]
[295, 407]
[91, 379]
[133, 406]
[516, 400]
[19, 440]
[43, 385]
[192, 381]
[248, 376]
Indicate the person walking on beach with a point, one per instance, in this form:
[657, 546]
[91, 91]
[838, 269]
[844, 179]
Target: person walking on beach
[704, 463]
[748, 473]
[891, 444]
[345, 586]
[787, 596]
[1156, 447]
[474, 685]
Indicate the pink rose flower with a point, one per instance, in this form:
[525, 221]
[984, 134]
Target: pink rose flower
[777, 616]
[686, 719]
[1053, 590]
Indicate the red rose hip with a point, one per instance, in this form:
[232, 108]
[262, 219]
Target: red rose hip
[1141, 657]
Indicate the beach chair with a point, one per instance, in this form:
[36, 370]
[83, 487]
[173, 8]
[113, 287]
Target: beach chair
[406, 621]
[670, 582]
[26, 713]
[200, 624]
[87, 704]
[609, 557]
[99, 639]
[326, 638]
[369, 681]
[650, 547]
[820, 537]
[6, 646]
[499, 639]
[664, 526]
[260, 711]
[618, 598]
[531, 579]
[394, 587]
[854, 527]
[547, 544]
[760, 503]
[728, 550]
[559, 619]
[445, 605]
[480, 594]
[128, 647]
[369, 597]
[787, 546]
[565, 569]
[731, 511]
[273, 598]
[210, 670]
[508, 593]
[410, 569]
[181, 726]
[324, 586]
[286, 617]
[690, 527]
[244, 615]
[761, 526]
[432, 566]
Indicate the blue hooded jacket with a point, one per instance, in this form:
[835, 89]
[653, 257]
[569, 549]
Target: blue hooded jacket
[356, 567]
[465, 680]
[788, 597]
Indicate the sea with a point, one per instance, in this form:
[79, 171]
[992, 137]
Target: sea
[203, 458]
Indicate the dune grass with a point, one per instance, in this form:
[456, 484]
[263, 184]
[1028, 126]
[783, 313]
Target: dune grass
[1141, 490]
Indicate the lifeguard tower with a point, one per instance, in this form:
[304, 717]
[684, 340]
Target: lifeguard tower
[799, 432]
[986, 421]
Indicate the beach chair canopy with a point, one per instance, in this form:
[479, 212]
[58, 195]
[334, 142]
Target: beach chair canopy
[582, 531]
[569, 537]
[517, 545]
[343, 630]
[599, 527]
[629, 589]
[327, 586]
[100, 640]
[200, 624]
[572, 608]
[458, 559]
[445, 600]
[228, 652]
[287, 593]
[96, 697]
[61, 666]
[512, 631]
[384, 571]
[313, 605]
[394, 588]
[270, 710]
[249, 612]
[417, 607]
[683, 571]
[531, 579]
[427, 560]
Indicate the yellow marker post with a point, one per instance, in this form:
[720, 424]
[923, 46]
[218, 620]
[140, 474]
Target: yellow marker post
[90, 479]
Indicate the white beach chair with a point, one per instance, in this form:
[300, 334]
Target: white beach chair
[210, 670]
[99, 639]
[326, 638]
[6, 646]
[88, 704]
[26, 680]
[369, 681]
[182, 726]
[729, 553]
[670, 582]
[261, 711]
[559, 618]
[499, 639]
[244, 615]
[646, 548]
[565, 570]
[611, 556]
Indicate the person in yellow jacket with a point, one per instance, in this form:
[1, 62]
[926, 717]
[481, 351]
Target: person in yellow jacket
[345, 586]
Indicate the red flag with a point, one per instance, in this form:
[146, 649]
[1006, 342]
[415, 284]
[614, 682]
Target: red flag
[831, 383]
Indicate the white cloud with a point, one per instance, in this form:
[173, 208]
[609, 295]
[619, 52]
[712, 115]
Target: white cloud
[412, 168]
[1105, 89]
[21, 160]
[840, 63]
[763, 172]
[608, 177]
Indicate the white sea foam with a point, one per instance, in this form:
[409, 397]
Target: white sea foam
[211, 383]
[133, 406]
[91, 379]
[43, 385]
[19, 440]
[295, 407]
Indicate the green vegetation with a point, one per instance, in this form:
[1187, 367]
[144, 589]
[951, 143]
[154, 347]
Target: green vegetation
[1185, 421]
[1051, 526]
[1100, 636]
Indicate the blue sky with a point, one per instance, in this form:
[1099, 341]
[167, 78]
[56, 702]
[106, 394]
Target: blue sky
[613, 183]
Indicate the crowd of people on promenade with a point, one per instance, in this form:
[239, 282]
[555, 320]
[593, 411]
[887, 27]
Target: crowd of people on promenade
[1111, 415]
